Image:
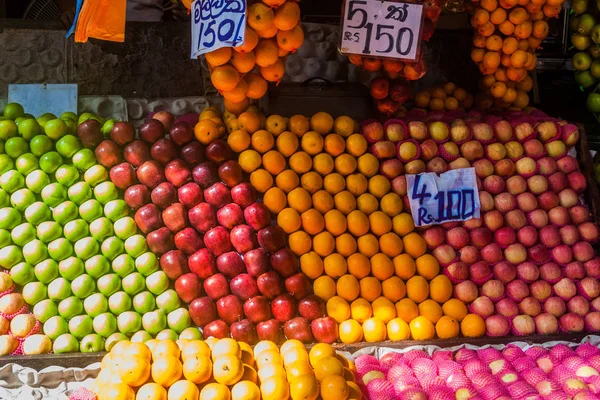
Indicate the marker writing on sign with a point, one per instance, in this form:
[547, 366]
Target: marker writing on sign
[213, 26]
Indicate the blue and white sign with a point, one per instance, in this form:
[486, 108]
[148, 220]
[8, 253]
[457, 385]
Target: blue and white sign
[449, 197]
[217, 24]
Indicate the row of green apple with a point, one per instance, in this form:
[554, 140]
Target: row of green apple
[585, 38]
[67, 239]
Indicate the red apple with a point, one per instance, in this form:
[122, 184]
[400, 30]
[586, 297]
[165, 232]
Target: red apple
[269, 330]
[166, 118]
[243, 194]
[90, 133]
[217, 329]
[175, 217]
[177, 172]
[257, 215]
[190, 194]
[148, 218]
[311, 307]
[244, 331]
[257, 262]
[325, 330]
[188, 287]
[230, 215]
[271, 238]
[203, 310]
[218, 151]
[164, 194]
[285, 262]
[163, 151]
[202, 217]
[283, 307]
[150, 174]
[244, 286]
[298, 285]
[230, 173]
[257, 309]
[122, 132]
[231, 264]
[217, 240]
[181, 133]
[203, 263]
[205, 174]
[298, 328]
[188, 240]
[216, 286]
[123, 175]
[108, 153]
[174, 264]
[218, 195]
[192, 153]
[136, 196]
[136, 153]
[151, 131]
[230, 309]
[242, 237]
[270, 284]
[160, 241]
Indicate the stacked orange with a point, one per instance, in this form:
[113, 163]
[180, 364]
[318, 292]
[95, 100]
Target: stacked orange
[241, 74]
[447, 97]
[350, 231]
[508, 32]
[224, 369]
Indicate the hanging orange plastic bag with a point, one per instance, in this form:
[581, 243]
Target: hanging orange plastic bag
[102, 19]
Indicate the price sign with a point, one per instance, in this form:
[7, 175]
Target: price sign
[451, 196]
[381, 28]
[217, 24]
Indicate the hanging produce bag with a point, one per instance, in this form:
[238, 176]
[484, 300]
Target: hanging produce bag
[101, 19]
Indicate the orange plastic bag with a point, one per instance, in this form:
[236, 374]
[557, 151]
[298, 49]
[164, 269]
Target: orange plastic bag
[102, 19]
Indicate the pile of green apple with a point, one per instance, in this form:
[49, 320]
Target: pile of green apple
[585, 38]
[67, 239]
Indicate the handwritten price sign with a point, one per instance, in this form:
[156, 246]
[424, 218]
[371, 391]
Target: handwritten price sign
[217, 24]
[451, 196]
[381, 28]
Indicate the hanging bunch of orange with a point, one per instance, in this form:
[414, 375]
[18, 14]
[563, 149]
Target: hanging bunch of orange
[349, 229]
[507, 35]
[241, 74]
[447, 97]
[220, 369]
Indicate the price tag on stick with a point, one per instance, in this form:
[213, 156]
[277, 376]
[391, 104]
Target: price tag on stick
[449, 197]
[381, 29]
[217, 24]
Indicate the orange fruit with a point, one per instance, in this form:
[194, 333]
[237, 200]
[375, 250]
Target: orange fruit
[299, 199]
[274, 72]
[334, 144]
[249, 121]
[287, 143]
[250, 41]
[430, 310]
[257, 86]
[287, 16]
[390, 244]
[134, 370]
[493, 43]
[322, 201]
[324, 287]
[334, 387]
[266, 53]
[298, 125]
[404, 266]
[407, 310]
[323, 163]
[440, 289]
[249, 160]
[368, 165]
[312, 265]
[472, 325]
[312, 143]
[151, 391]
[358, 223]
[275, 200]
[350, 331]
[414, 245]
[380, 223]
[268, 33]
[381, 266]
[374, 330]
[166, 370]
[328, 366]
[274, 388]
[391, 204]
[421, 329]
[379, 186]
[287, 181]
[291, 40]
[361, 310]
[300, 243]
[455, 309]
[226, 346]
[355, 392]
[197, 369]
[227, 369]
[338, 309]
[320, 351]
[238, 140]
[237, 108]
[356, 145]
[334, 183]
[507, 27]
[427, 266]
[417, 289]
[138, 350]
[370, 288]
[260, 17]
[345, 201]
[348, 287]
[300, 162]
[356, 184]
[323, 244]
[393, 288]
[219, 57]
[264, 345]
[358, 265]
[311, 181]
[289, 220]
[271, 370]
[305, 387]
[312, 221]
[344, 126]
[164, 348]
[183, 390]
[273, 161]
[243, 62]
[345, 244]
[261, 180]
[262, 141]
[447, 328]
[215, 391]
[367, 203]
[245, 391]
[322, 123]
[206, 131]
[398, 329]
[225, 78]
[368, 245]
[294, 354]
[345, 164]
[116, 391]
[383, 309]
[269, 356]
[335, 265]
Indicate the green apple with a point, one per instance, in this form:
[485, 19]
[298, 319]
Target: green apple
[125, 227]
[123, 265]
[168, 301]
[42, 119]
[44, 310]
[68, 115]
[13, 111]
[37, 180]
[71, 126]
[113, 339]
[48, 231]
[40, 145]
[68, 145]
[84, 159]
[191, 333]
[144, 302]
[105, 192]
[28, 128]
[8, 129]
[87, 115]
[179, 319]
[65, 343]
[112, 247]
[50, 162]
[80, 326]
[46, 271]
[22, 198]
[92, 343]
[55, 326]
[109, 284]
[95, 174]
[60, 249]
[35, 252]
[65, 212]
[9, 218]
[4, 197]
[67, 175]
[5, 238]
[136, 245]
[134, 283]
[105, 324]
[157, 282]
[154, 321]
[167, 334]
[70, 268]
[10, 256]
[80, 193]
[6, 163]
[107, 127]
[95, 305]
[101, 228]
[70, 307]
[119, 302]
[140, 337]
[23, 234]
[146, 263]
[22, 273]
[26, 163]
[90, 210]
[83, 286]
[34, 292]
[37, 213]
[129, 322]
[16, 146]
[59, 289]
[86, 248]
[116, 209]
[55, 128]
[12, 180]
[97, 266]
[76, 229]
[54, 194]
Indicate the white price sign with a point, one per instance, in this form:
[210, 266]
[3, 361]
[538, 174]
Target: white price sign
[449, 197]
[217, 24]
[381, 28]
